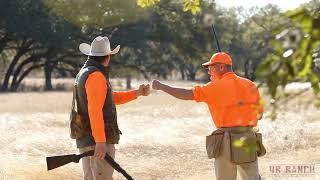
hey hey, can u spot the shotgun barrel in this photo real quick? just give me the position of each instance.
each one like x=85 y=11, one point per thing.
x=216 y=38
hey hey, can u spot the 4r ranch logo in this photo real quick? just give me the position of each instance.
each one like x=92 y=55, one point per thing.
x=292 y=169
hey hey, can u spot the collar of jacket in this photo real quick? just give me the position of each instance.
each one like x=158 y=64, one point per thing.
x=103 y=69
x=227 y=74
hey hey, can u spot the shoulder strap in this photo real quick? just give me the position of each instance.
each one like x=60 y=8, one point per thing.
x=77 y=103
x=75 y=106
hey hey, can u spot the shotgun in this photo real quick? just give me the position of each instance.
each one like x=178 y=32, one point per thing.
x=215 y=37
x=57 y=161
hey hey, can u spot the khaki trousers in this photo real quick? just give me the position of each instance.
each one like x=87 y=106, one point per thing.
x=226 y=170
x=97 y=169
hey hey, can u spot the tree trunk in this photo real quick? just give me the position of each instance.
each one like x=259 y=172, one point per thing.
x=5 y=84
x=18 y=71
x=48 y=68
x=182 y=74
x=253 y=72
x=246 y=69
x=49 y=64
x=128 y=81
x=3 y=42
x=26 y=72
x=191 y=76
x=20 y=52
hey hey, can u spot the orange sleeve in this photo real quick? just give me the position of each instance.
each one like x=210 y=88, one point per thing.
x=200 y=93
x=96 y=90
x=121 y=97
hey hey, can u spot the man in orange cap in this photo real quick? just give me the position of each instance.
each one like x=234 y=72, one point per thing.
x=234 y=104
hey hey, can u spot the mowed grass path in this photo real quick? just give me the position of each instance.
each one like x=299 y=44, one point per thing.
x=163 y=138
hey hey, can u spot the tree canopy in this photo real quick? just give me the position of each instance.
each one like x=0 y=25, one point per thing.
x=295 y=54
x=158 y=37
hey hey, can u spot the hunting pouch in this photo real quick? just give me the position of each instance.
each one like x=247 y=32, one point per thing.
x=78 y=123
x=213 y=143
x=243 y=147
x=261 y=151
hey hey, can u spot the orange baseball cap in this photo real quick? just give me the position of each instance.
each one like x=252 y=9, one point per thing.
x=220 y=57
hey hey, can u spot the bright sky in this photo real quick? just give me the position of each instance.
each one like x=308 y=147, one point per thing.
x=283 y=4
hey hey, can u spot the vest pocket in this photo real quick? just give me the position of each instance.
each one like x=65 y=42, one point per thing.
x=243 y=147
x=261 y=149
x=213 y=144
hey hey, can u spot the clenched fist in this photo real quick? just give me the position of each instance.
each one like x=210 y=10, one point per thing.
x=144 y=90
x=156 y=85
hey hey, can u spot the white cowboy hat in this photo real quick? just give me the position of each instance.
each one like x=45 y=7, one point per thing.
x=100 y=46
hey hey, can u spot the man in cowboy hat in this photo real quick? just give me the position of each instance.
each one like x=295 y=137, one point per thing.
x=234 y=106
x=96 y=104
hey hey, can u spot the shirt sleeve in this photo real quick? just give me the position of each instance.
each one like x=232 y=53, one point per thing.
x=200 y=93
x=96 y=90
x=121 y=97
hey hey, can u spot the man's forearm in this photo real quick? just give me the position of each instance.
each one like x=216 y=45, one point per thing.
x=180 y=93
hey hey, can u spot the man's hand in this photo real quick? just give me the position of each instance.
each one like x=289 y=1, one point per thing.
x=156 y=85
x=180 y=93
x=144 y=90
x=100 y=150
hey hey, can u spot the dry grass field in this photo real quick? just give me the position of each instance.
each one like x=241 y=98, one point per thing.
x=163 y=138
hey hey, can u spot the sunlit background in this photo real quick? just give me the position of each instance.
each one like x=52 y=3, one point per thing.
x=276 y=44
x=284 y=5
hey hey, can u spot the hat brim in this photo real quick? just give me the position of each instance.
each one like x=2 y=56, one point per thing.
x=85 y=49
x=206 y=64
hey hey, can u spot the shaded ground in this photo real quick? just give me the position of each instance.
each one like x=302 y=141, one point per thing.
x=163 y=138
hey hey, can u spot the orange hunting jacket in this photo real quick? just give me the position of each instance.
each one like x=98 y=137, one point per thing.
x=232 y=100
x=96 y=90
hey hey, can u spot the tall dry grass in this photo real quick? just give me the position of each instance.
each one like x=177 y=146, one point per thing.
x=163 y=138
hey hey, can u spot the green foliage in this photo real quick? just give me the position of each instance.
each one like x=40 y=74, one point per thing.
x=188 y=5
x=30 y=36
x=154 y=41
x=252 y=42
x=292 y=59
x=280 y=69
x=96 y=13
x=191 y=5
x=146 y=3
x=190 y=40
